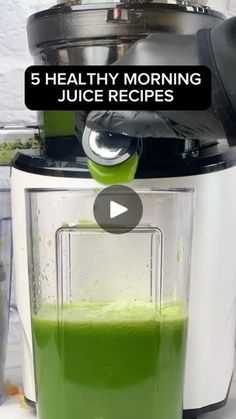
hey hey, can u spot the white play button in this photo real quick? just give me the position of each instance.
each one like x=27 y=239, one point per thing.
x=116 y=209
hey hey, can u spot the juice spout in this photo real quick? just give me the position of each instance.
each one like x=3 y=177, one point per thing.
x=110 y=175
x=112 y=158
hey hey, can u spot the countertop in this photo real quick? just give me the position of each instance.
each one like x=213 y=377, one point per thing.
x=12 y=409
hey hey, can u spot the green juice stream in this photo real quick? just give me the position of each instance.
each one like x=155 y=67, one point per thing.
x=110 y=361
x=110 y=175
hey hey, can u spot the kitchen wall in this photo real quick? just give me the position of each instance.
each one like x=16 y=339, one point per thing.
x=231 y=8
x=14 y=57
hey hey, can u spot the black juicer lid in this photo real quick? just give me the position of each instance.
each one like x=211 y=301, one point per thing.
x=115 y=22
x=74 y=26
x=159 y=159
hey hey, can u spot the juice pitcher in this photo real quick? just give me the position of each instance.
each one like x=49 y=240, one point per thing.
x=109 y=311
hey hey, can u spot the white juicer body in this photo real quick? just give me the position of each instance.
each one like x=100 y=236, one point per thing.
x=212 y=316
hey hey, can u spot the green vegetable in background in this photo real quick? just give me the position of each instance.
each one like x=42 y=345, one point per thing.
x=9 y=148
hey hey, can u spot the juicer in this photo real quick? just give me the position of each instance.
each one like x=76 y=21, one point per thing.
x=100 y=33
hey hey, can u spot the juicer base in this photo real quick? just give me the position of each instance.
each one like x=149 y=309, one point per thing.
x=187 y=414
x=30 y=403
x=194 y=413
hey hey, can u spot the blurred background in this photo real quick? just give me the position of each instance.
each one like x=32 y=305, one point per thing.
x=15 y=57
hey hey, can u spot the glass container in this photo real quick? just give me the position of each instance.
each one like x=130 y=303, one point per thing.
x=109 y=311
x=5 y=275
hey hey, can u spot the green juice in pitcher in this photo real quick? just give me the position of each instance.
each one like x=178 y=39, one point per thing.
x=110 y=361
